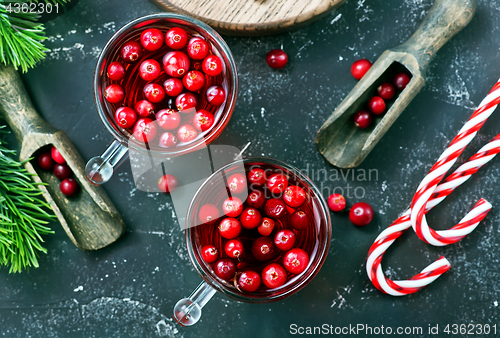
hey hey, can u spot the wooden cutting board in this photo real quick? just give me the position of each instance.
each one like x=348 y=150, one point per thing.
x=252 y=17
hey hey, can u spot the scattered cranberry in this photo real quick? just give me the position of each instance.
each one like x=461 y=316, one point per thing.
x=116 y=71
x=203 y=120
x=401 y=80
x=194 y=80
x=152 y=39
x=275 y=208
x=256 y=199
x=234 y=248
x=125 y=117
x=62 y=171
x=299 y=220
x=167 y=183
x=250 y=218
x=187 y=133
x=257 y=177
x=154 y=92
x=45 y=161
x=149 y=70
x=336 y=202
x=277 y=59
x=362 y=119
x=173 y=86
x=144 y=108
x=114 y=93
x=56 y=155
x=216 y=95
x=386 y=91
x=131 y=51
x=69 y=186
x=296 y=261
x=197 y=48
x=359 y=68
x=232 y=207
x=237 y=183
x=230 y=228
x=294 y=196
x=209 y=253
x=277 y=183
x=176 y=64
x=249 y=281
x=185 y=102
x=361 y=214
x=266 y=227
x=168 y=119
x=263 y=248
x=274 y=276
x=144 y=130
x=225 y=268
x=176 y=38
x=168 y=140
x=376 y=105
x=284 y=239
x=212 y=65
x=208 y=213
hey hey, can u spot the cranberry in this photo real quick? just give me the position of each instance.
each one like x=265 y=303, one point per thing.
x=237 y=183
x=185 y=102
x=149 y=70
x=232 y=207
x=168 y=119
x=208 y=213
x=45 y=161
x=168 y=140
x=69 y=186
x=249 y=281
x=62 y=171
x=176 y=38
x=234 y=248
x=131 y=51
x=212 y=65
x=167 y=183
x=116 y=71
x=56 y=155
x=376 y=105
x=256 y=199
x=144 y=130
x=209 y=253
x=175 y=64
x=194 y=80
x=362 y=119
x=173 y=86
x=114 y=93
x=230 y=228
x=266 y=227
x=197 y=48
x=386 y=91
x=225 y=268
x=250 y=218
x=257 y=177
x=144 y=108
x=401 y=80
x=154 y=92
x=277 y=59
x=284 y=239
x=336 y=202
x=296 y=261
x=294 y=196
x=263 y=248
x=125 y=117
x=274 y=276
x=277 y=183
x=299 y=220
x=361 y=214
x=152 y=39
x=275 y=208
x=203 y=120
x=186 y=133
x=359 y=68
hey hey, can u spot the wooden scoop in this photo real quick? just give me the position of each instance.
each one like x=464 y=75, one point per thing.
x=89 y=218
x=339 y=140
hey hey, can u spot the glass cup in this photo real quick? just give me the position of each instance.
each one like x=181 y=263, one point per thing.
x=315 y=240
x=100 y=169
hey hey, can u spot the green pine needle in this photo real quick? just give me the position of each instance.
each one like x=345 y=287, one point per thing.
x=23 y=214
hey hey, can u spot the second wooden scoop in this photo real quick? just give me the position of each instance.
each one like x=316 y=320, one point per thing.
x=339 y=140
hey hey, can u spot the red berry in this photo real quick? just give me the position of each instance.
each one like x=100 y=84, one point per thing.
x=232 y=207
x=116 y=71
x=376 y=105
x=208 y=213
x=359 y=68
x=225 y=269
x=257 y=177
x=56 y=155
x=114 y=93
x=131 y=51
x=284 y=239
x=69 y=186
x=275 y=208
x=401 y=80
x=176 y=38
x=194 y=80
x=230 y=228
x=167 y=183
x=173 y=86
x=386 y=91
x=197 y=48
x=336 y=202
x=203 y=120
x=277 y=59
x=62 y=171
x=168 y=119
x=125 y=117
x=144 y=108
x=144 y=130
x=266 y=227
x=149 y=70
x=274 y=276
x=361 y=214
x=152 y=39
x=237 y=183
x=256 y=199
x=299 y=220
x=263 y=248
x=294 y=196
x=154 y=92
x=209 y=253
x=234 y=248
x=296 y=261
x=249 y=281
x=216 y=95
x=176 y=64
x=250 y=218
x=277 y=183
x=185 y=102
x=212 y=65
x=362 y=119
x=168 y=140
x=186 y=133
x=45 y=161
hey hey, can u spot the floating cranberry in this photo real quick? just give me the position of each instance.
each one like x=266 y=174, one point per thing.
x=176 y=64
x=284 y=239
x=144 y=130
x=263 y=248
x=362 y=119
x=296 y=261
x=234 y=248
x=225 y=269
x=376 y=105
x=144 y=108
x=257 y=177
x=212 y=65
x=125 y=117
x=361 y=214
x=232 y=207
x=216 y=95
x=275 y=208
x=266 y=227
x=277 y=59
x=168 y=119
x=176 y=38
x=256 y=199
x=209 y=253
x=203 y=120
x=62 y=171
x=45 y=161
x=294 y=196
x=185 y=102
x=187 y=133
x=56 y=155
x=386 y=91
x=230 y=228
x=116 y=71
x=197 y=48
x=152 y=39
x=237 y=183
x=149 y=70
x=131 y=51
x=167 y=183
x=249 y=281
x=208 y=213
x=359 y=68
x=168 y=140
x=173 y=86
x=274 y=276
x=299 y=220
x=154 y=92
x=277 y=183
x=194 y=80
x=69 y=186
x=250 y=218
x=336 y=202
x=401 y=80
x=114 y=93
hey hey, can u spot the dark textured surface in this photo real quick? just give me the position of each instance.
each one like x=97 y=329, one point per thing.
x=129 y=289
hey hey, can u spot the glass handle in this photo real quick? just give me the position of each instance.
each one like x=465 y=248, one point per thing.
x=187 y=311
x=99 y=169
